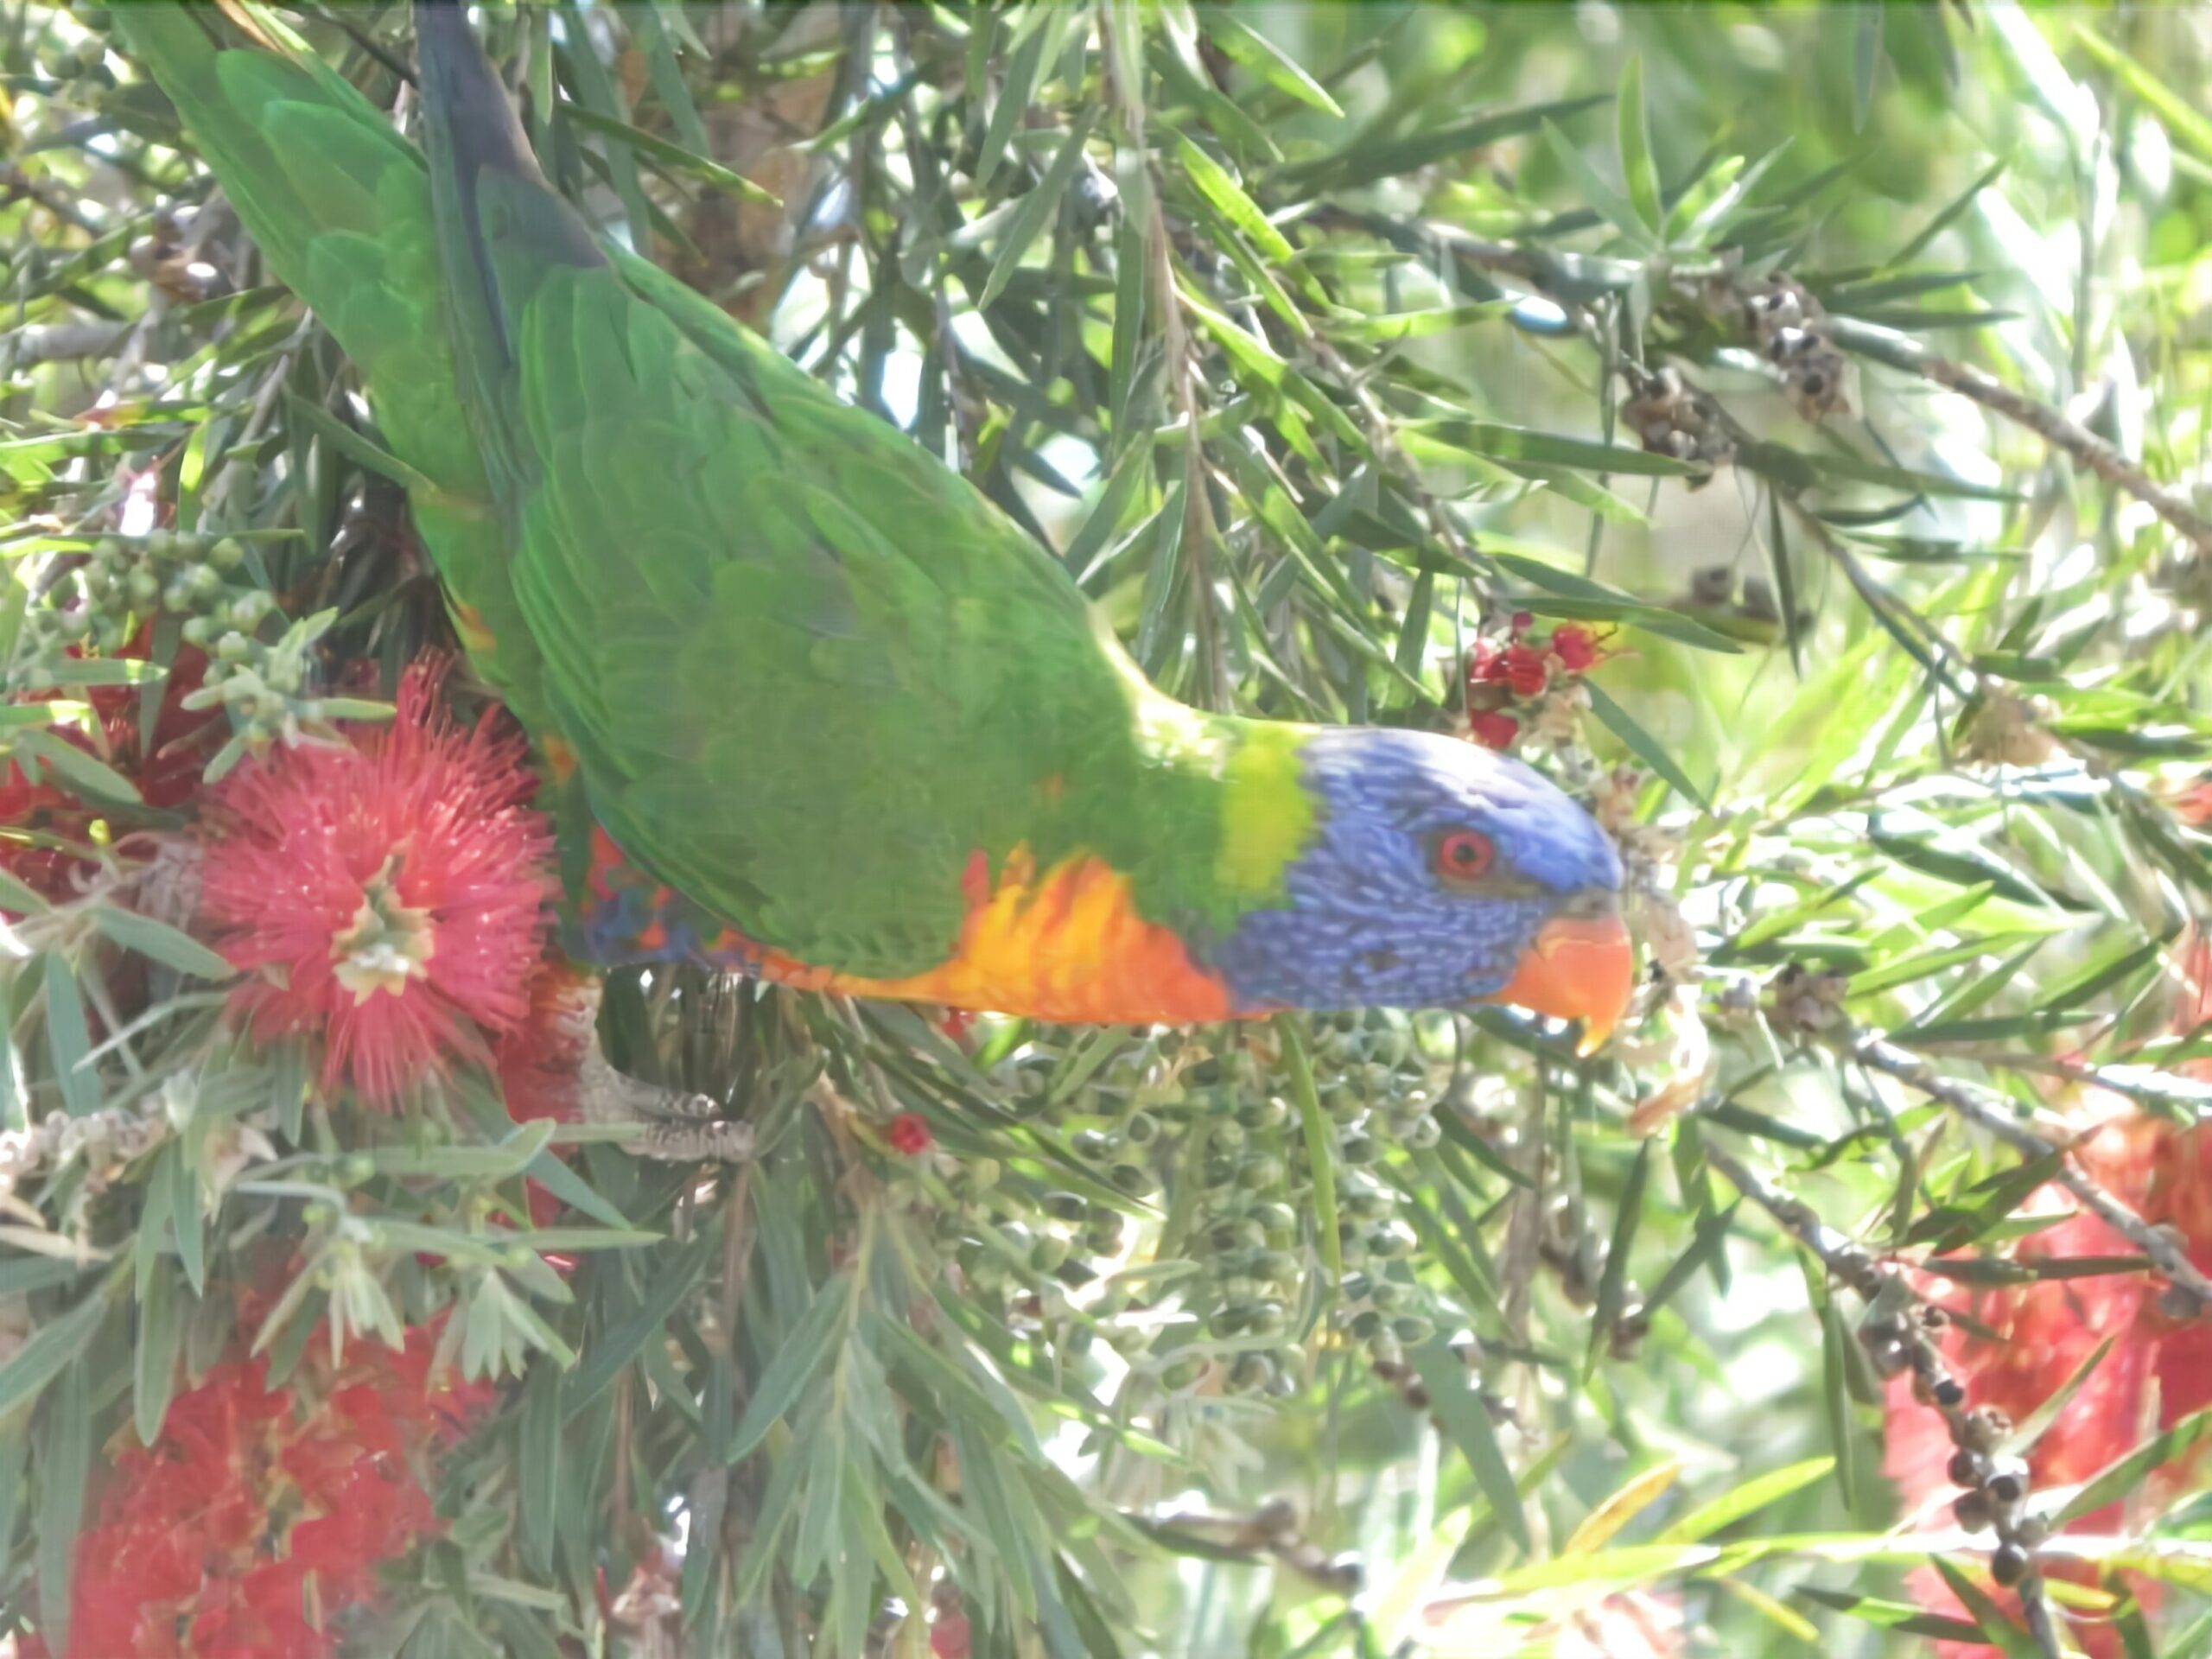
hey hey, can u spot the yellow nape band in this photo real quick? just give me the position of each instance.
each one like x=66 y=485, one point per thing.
x=1067 y=947
x=1266 y=813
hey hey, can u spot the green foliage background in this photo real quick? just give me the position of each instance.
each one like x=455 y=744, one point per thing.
x=1307 y=335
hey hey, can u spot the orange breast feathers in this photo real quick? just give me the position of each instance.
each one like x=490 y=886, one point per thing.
x=1069 y=947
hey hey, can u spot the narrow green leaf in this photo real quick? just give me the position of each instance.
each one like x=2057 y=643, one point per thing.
x=1712 y=1234
x=2123 y=1476
x=1835 y=1393
x=1748 y=1498
x=1612 y=1280
x=65 y=1458
x=1268 y=61
x=1466 y=1421
x=1036 y=206
x=619 y=1343
x=1633 y=131
x=2181 y=116
x=1866 y=58
x=92 y=777
x=1218 y=186
x=69 y=1038
x=160 y=1339
x=1995 y=1624
x=50 y=1348
x=1320 y=1145
x=797 y=1357
x=1596 y=191
x=1642 y=745
x=168 y=945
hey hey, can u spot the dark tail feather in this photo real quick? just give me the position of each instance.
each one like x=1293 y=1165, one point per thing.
x=475 y=135
x=501 y=229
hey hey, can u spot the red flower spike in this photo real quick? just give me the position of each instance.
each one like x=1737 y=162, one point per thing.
x=390 y=892
x=1574 y=648
x=166 y=770
x=1527 y=673
x=253 y=1507
x=1522 y=621
x=910 y=1135
x=1493 y=730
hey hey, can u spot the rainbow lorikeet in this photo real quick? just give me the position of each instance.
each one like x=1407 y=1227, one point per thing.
x=831 y=716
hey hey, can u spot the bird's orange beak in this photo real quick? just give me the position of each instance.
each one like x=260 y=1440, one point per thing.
x=1578 y=968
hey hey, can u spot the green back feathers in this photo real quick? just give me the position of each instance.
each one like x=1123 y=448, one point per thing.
x=808 y=672
x=339 y=204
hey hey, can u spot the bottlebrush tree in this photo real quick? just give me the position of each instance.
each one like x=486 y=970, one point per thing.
x=1782 y=428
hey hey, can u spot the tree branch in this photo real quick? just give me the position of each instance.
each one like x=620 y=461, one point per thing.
x=2169 y=1255
x=1899 y=1336
x=2085 y=448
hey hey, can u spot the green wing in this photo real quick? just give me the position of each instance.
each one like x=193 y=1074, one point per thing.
x=341 y=205
x=808 y=669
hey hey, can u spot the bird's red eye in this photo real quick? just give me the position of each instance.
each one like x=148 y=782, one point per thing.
x=1463 y=854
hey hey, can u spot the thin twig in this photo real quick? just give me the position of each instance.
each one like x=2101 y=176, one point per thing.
x=2085 y=448
x=1900 y=1336
x=2169 y=1255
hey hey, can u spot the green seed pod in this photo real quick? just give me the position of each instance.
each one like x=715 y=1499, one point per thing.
x=1243 y=1234
x=1217 y=1173
x=1259 y=1173
x=197 y=629
x=1141 y=1130
x=1390 y=1242
x=1364 y=1201
x=234 y=647
x=249 y=607
x=1184 y=1373
x=143 y=586
x=228 y=554
x=1277 y=1266
x=1065 y=1206
x=1357 y=1147
x=1094 y=1146
x=1267 y=1112
x=159 y=544
x=1134 y=1179
x=1275 y=1218
x=1357 y=1288
x=1364 y=1324
x=1227 y=1321
x=1412 y=1329
x=1390 y=1296
x=1046 y=1254
x=318 y=1214
x=1383 y=1350
x=1422 y=1133
x=1267 y=1318
x=1227 y=1135
x=1105 y=1238
x=1241 y=1288
x=1252 y=1373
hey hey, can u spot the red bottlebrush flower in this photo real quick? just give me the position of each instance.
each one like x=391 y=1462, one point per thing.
x=540 y=1062
x=956 y=1023
x=390 y=892
x=1493 y=730
x=2158 y=1371
x=1527 y=673
x=910 y=1135
x=1486 y=667
x=1574 y=648
x=1522 y=621
x=165 y=770
x=253 y=1506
